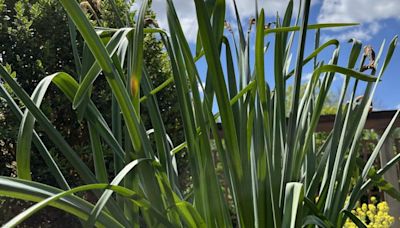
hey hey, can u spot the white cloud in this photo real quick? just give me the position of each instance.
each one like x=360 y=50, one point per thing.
x=246 y=8
x=370 y=13
x=339 y=77
x=187 y=13
x=358 y=10
x=201 y=86
x=363 y=32
x=306 y=77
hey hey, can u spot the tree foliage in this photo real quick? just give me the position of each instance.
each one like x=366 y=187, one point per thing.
x=34 y=42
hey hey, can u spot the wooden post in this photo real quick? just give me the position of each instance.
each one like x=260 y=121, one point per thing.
x=391 y=176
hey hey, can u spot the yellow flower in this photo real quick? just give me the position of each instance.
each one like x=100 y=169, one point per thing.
x=371 y=207
x=383 y=206
x=378 y=216
x=364 y=207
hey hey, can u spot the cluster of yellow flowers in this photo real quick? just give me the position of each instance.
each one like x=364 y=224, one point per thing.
x=373 y=215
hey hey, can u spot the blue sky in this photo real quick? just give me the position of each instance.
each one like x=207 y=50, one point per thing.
x=379 y=20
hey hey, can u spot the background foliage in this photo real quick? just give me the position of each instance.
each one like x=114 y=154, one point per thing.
x=34 y=42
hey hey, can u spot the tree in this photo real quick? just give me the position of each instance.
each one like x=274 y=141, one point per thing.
x=330 y=104
x=33 y=35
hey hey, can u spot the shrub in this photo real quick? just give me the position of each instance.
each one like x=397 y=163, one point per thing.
x=35 y=40
x=373 y=214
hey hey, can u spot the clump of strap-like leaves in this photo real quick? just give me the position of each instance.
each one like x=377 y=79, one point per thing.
x=271 y=169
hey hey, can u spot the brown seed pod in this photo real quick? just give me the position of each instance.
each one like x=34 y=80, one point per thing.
x=370 y=53
x=227 y=26
x=96 y=5
x=358 y=101
x=85 y=6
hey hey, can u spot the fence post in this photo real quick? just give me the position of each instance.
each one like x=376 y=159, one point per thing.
x=391 y=176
